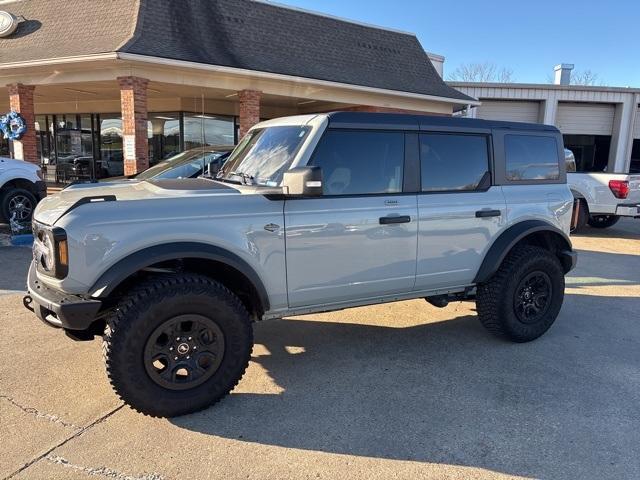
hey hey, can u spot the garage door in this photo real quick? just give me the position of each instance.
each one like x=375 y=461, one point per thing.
x=585 y=118
x=509 y=111
x=636 y=128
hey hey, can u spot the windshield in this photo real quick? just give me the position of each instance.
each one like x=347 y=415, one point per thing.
x=182 y=165
x=264 y=155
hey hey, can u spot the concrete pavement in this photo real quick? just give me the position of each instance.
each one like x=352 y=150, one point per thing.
x=391 y=391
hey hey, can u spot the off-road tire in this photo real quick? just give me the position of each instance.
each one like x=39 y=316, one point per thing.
x=147 y=307
x=495 y=301
x=8 y=195
x=603 y=221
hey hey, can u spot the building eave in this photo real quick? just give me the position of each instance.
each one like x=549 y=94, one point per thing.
x=543 y=86
x=133 y=57
x=60 y=61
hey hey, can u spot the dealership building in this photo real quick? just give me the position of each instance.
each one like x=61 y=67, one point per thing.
x=601 y=125
x=132 y=82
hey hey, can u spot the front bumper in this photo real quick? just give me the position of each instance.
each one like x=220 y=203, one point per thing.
x=59 y=309
x=628 y=210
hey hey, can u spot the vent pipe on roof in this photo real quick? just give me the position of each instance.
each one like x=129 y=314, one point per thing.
x=563 y=74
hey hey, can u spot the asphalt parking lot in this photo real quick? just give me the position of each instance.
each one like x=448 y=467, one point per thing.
x=392 y=391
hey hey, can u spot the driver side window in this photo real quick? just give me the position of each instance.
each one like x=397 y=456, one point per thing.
x=356 y=162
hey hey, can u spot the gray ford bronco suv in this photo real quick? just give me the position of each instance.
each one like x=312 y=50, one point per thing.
x=309 y=214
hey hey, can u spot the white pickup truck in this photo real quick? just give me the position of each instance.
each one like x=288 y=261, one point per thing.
x=21 y=188
x=601 y=198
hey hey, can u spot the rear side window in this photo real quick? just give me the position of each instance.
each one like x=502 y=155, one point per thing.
x=452 y=162
x=530 y=157
x=360 y=162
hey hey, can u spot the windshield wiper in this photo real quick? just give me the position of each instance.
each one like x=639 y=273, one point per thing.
x=246 y=178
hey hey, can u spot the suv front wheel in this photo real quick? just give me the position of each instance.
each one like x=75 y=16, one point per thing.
x=522 y=300
x=18 y=204
x=177 y=344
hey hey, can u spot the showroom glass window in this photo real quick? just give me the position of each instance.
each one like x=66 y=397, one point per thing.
x=452 y=162
x=207 y=130
x=44 y=142
x=73 y=147
x=531 y=157
x=112 y=159
x=68 y=138
x=44 y=130
x=164 y=135
x=358 y=162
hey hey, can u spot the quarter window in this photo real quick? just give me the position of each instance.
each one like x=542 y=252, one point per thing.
x=530 y=157
x=360 y=162
x=452 y=162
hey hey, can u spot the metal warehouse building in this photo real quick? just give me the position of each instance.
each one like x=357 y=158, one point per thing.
x=601 y=125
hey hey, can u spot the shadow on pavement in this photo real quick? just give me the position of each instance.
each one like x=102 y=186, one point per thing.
x=563 y=406
x=605 y=269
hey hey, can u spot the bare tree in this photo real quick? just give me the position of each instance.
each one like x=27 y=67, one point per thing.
x=583 y=77
x=481 y=72
x=586 y=77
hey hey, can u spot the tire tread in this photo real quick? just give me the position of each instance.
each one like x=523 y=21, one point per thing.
x=490 y=295
x=133 y=303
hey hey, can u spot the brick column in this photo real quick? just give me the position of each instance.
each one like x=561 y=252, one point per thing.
x=21 y=100
x=249 y=109
x=133 y=106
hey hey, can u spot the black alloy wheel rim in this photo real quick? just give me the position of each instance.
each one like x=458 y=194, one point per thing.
x=533 y=297
x=184 y=352
x=21 y=207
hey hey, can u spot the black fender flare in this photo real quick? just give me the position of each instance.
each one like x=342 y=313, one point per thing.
x=511 y=236
x=146 y=257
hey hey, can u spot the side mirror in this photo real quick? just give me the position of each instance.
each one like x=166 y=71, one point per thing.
x=303 y=181
x=569 y=160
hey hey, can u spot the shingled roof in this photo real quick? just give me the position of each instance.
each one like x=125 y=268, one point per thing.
x=245 y=34
x=69 y=28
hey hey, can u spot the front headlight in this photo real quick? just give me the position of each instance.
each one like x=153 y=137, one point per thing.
x=39 y=174
x=50 y=250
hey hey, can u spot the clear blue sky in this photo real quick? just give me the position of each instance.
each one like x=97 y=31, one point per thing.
x=528 y=37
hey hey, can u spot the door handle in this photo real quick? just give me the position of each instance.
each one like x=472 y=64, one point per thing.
x=395 y=219
x=488 y=213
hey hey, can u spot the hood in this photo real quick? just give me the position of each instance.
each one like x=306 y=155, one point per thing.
x=7 y=163
x=53 y=207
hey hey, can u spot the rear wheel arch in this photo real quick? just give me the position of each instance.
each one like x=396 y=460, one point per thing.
x=214 y=262
x=529 y=232
x=578 y=195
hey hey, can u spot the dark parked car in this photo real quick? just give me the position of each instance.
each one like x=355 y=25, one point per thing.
x=188 y=164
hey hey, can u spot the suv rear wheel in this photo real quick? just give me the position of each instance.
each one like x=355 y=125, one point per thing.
x=177 y=344
x=522 y=300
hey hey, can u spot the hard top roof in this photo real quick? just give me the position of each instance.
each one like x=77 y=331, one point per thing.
x=422 y=122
